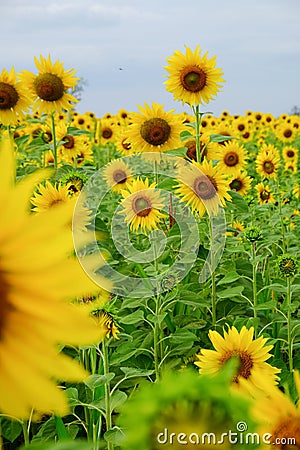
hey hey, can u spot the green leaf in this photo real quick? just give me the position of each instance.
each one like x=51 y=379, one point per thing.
x=10 y=429
x=184 y=135
x=117 y=399
x=115 y=436
x=156 y=319
x=136 y=316
x=239 y=202
x=62 y=432
x=230 y=277
x=183 y=336
x=66 y=445
x=231 y=292
x=94 y=381
x=220 y=138
x=176 y=152
x=131 y=372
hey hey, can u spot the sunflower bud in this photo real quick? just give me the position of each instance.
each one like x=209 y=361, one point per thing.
x=253 y=233
x=287 y=265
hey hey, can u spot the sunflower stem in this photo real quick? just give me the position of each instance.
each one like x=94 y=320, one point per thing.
x=196 y=110
x=289 y=324
x=54 y=141
x=254 y=285
x=25 y=430
x=213 y=282
x=281 y=219
x=108 y=411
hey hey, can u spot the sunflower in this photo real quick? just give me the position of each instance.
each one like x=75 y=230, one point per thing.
x=241 y=183
x=279 y=417
x=69 y=144
x=38 y=278
x=122 y=143
x=15 y=99
x=290 y=154
x=142 y=204
x=106 y=131
x=203 y=187
x=267 y=161
x=253 y=370
x=238 y=227
x=49 y=87
x=208 y=149
x=49 y=196
x=264 y=194
x=154 y=130
x=232 y=157
x=84 y=155
x=117 y=175
x=193 y=78
x=285 y=132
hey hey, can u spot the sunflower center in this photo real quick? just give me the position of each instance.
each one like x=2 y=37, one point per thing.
x=290 y=154
x=119 y=176
x=245 y=366
x=125 y=144
x=268 y=167
x=205 y=187
x=8 y=96
x=155 y=131
x=241 y=127
x=236 y=185
x=47 y=136
x=193 y=78
x=49 y=87
x=69 y=141
x=285 y=431
x=287 y=133
x=107 y=133
x=192 y=151
x=141 y=206
x=265 y=195
x=231 y=159
x=5 y=306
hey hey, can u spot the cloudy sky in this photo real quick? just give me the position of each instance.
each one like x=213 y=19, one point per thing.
x=257 y=44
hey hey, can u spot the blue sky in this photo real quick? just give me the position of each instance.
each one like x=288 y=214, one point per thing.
x=257 y=45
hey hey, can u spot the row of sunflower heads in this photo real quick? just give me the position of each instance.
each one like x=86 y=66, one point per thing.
x=234 y=401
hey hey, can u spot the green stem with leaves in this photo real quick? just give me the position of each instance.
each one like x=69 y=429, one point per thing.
x=196 y=110
x=289 y=324
x=108 y=410
x=54 y=140
x=254 y=282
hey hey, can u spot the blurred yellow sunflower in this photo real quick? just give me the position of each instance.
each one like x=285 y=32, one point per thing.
x=241 y=183
x=15 y=99
x=50 y=86
x=38 y=278
x=279 y=417
x=142 y=205
x=193 y=78
x=267 y=161
x=253 y=371
x=154 y=130
x=69 y=145
x=202 y=186
x=285 y=132
x=117 y=175
x=290 y=154
x=232 y=157
x=49 y=196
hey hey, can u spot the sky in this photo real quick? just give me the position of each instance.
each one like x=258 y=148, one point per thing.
x=120 y=48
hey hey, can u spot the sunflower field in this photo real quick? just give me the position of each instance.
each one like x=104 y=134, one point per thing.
x=149 y=268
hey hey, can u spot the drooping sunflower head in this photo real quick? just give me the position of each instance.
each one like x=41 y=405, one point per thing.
x=154 y=130
x=50 y=86
x=117 y=175
x=15 y=98
x=142 y=205
x=193 y=78
x=252 y=370
x=203 y=186
x=182 y=410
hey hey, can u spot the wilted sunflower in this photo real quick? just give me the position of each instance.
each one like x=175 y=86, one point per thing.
x=267 y=161
x=193 y=78
x=279 y=417
x=50 y=86
x=117 y=175
x=232 y=157
x=142 y=204
x=241 y=183
x=253 y=371
x=203 y=187
x=15 y=99
x=154 y=130
x=38 y=278
x=264 y=194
